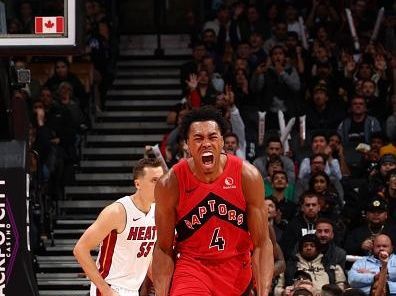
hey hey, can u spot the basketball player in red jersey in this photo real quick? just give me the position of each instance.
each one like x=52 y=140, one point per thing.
x=126 y=232
x=216 y=204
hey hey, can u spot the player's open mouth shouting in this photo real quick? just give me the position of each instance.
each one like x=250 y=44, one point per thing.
x=207 y=159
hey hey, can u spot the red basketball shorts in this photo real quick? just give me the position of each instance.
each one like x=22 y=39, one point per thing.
x=193 y=277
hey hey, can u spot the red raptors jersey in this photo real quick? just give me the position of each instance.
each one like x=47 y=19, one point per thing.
x=211 y=217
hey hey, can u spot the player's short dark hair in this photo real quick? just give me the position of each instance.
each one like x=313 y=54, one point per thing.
x=138 y=170
x=206 y=113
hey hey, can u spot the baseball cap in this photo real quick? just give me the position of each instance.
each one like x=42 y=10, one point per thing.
x=320 y=87
x=377 y=205
x=387 y=158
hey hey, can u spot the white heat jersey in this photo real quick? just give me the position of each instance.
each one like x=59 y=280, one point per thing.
x=124 y=258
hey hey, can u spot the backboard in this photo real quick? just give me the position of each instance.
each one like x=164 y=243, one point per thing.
x=41 y=27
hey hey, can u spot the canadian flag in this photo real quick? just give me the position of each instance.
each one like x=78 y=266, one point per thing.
x=49 y=24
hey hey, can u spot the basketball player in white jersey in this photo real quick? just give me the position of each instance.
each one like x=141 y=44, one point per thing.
x=126 y=233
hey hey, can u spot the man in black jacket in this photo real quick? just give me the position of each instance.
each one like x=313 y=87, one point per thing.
x=302 y=224
x=332 y=254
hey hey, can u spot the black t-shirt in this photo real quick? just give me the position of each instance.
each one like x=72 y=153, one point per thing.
x=356 y=132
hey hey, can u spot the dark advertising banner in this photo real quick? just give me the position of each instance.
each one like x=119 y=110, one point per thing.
x=16 y=272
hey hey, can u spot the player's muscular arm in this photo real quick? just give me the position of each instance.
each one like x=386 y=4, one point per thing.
x=262 y=258
x=111 y=218
x=166 y=198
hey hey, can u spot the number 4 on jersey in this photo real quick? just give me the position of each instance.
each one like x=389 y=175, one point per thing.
x=217 y=240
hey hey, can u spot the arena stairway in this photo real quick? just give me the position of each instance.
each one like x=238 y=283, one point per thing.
x=135 y=111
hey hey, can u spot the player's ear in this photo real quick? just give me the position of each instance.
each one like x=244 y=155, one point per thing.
x=136 y=183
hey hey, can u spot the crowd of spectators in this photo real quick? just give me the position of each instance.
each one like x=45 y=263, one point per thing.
x=330 y=181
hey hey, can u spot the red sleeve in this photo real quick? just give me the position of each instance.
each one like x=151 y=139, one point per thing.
x=195 y=99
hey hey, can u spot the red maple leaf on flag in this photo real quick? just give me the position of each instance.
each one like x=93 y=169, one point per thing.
x=49 y=24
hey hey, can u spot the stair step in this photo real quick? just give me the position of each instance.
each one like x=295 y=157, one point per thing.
x=104 y=177
x=150 y=72
x=107 y=164
x=150 y=41
x=87 y=203
x=101 y=190
x=132 y=116
x=147 y=82
x=64 y=250
x=62 y=275
x=156 y=93
x=119 y=153
x=54 y=259
x=64 y=293
x=123 y=140
x=79 y=204
x=131 y=126
x=144 y=114
x=142 y=103
x=62 y=281
x=64 y=284
x=73 y=222
x=111 y=151
x=76 y=217
x=68 y=231
x=63 y=241
x=149 y=52
x=151 y=63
